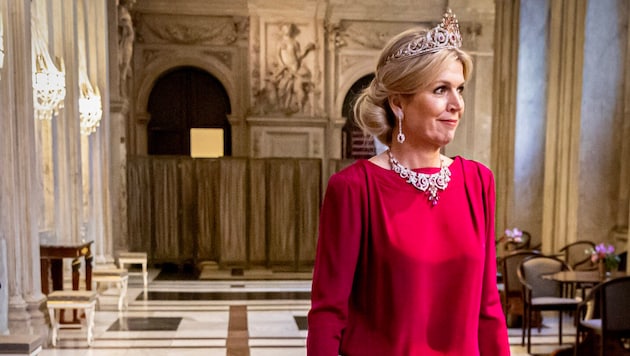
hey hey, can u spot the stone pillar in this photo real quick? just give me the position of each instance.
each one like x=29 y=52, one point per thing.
x=4 y=281
x=119 y=111
x=100 y=227
x=623 y=218
x=116 y=143
x=504 y=107
x=20 y=196
x=564 y=91
x=4 y=288
x=623 y=215
x=68 y=182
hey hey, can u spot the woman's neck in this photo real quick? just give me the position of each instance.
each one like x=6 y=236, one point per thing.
x=416 y=157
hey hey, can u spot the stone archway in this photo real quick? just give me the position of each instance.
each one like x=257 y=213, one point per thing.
x=354 y=144
x=184 y=98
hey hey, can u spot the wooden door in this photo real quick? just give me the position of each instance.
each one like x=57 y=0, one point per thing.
x=182 y=99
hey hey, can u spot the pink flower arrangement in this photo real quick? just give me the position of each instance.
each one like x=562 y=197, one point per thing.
x=606 y=253
x=514 y=235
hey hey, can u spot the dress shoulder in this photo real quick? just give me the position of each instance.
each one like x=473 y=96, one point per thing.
x=470 y=165
x=354 y=173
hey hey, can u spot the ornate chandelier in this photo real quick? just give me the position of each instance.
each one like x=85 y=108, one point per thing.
x=49 y=81
x=90 y=107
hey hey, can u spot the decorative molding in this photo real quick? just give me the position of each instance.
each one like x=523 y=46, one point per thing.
x=287 y=121
x=192 y=30
x=471 y=31
x=349 y=61
x=276 y=141
x=224 y=57
x=368 y=34
x=150 y=55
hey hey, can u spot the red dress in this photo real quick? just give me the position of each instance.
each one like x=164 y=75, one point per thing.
x=395 y=275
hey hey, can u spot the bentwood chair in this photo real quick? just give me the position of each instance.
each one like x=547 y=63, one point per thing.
x=512 y=289
x=577 y=255
x=542 y=294
x=526 y=239
x=611 y=322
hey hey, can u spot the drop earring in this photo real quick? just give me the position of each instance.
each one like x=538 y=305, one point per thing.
x=401 y=136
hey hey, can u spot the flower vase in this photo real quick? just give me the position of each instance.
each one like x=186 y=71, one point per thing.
x=601 y=268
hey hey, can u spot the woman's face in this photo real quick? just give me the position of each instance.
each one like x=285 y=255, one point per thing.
x=432 y=114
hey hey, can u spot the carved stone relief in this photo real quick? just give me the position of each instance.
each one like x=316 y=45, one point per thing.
x=288 y=80
x=126 y=38
x=193 y=30
x=367 y=34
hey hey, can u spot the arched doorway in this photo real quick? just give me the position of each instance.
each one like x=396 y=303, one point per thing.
x=182 y=99
x=355 y=145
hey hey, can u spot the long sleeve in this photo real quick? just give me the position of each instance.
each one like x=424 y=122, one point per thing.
x=493 y=338
x=340 y=231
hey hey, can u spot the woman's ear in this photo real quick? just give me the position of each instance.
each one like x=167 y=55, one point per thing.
x=395 y=104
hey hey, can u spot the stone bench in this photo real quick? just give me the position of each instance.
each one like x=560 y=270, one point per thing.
x=130 y=258
x=19 y=344
x=113 y=275
x=72 y=299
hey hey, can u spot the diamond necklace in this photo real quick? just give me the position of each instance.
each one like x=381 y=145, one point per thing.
x=428 y=183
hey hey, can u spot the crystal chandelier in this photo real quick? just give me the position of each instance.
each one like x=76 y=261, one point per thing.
x=49 y=80
x=90 y=107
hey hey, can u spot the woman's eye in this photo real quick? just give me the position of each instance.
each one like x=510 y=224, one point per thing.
x=440 y=90
x=460 y=89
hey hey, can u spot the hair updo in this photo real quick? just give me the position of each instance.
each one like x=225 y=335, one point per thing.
x=400 y=76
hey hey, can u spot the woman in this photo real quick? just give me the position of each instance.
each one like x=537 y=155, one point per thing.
x=405 y=259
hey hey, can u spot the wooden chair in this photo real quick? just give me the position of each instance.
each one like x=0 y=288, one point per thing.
x=525 y=243
x=612 y=317
x=542 y=294
x=576 y=255
x=513 y=291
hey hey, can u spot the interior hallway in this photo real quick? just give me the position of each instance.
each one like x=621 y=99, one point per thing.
x=229 y=317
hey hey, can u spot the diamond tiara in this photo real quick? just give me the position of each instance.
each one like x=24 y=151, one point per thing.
x=446 y=35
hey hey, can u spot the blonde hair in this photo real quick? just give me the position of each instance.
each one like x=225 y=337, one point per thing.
x=405 y=75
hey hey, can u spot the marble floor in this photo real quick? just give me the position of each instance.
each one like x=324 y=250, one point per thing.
x=227 y=317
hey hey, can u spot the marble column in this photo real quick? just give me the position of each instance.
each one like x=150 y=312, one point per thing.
x=19 y=190
x=101 y=154
x=504 y=107
x=68 y=183
x=4 y=288
x=562 y=142
x=623 y=215
x=119 y=111
x=4 y=113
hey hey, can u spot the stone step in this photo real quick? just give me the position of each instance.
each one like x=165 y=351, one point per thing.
x=20 y=344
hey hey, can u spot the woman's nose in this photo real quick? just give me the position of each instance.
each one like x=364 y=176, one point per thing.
x=455 y=102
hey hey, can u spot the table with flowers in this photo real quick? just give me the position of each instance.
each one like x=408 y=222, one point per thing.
x=603 y=255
